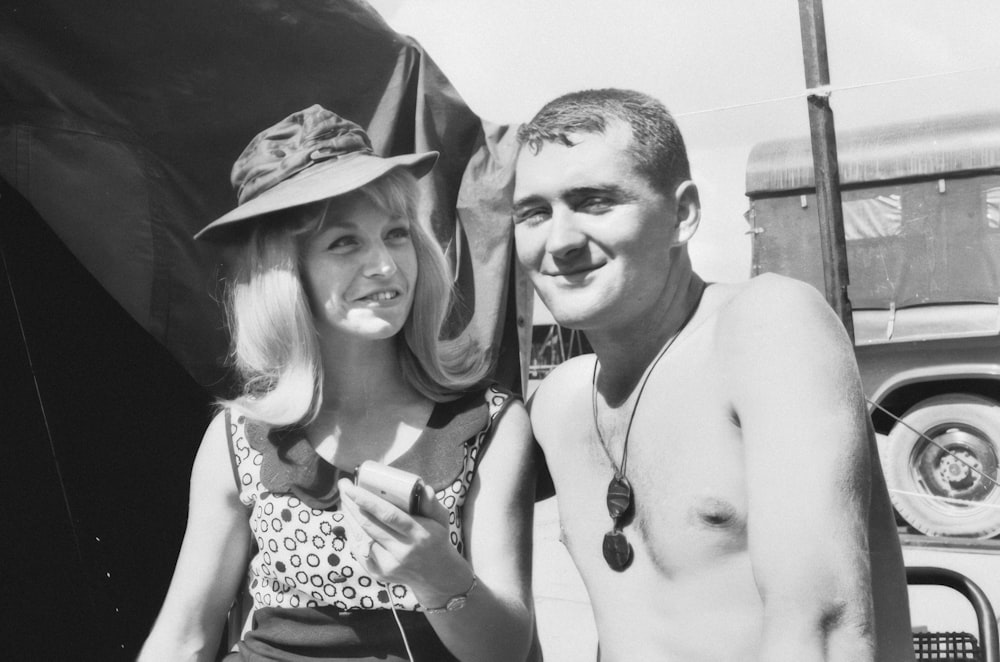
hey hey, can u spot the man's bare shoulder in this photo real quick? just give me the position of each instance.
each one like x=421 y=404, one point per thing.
x=568 y=380
x=566 y=385
x=769 y=292
x=778 y=339
x=774 y=307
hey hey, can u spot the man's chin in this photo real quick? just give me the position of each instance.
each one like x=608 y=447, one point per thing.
x=572 y=319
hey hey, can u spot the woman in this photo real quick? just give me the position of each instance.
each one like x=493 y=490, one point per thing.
x=335 y=314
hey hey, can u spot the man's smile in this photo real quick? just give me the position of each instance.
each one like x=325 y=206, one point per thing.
x=575 y=271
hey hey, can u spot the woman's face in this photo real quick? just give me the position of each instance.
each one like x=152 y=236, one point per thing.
x=360 y=271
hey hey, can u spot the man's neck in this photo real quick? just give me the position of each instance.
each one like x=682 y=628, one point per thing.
x=625 y=351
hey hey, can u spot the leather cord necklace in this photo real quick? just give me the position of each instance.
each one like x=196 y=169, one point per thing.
x=617 y=550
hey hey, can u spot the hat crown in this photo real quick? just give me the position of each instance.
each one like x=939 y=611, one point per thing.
x=297 y=142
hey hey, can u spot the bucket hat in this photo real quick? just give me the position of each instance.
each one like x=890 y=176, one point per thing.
x=311 y=155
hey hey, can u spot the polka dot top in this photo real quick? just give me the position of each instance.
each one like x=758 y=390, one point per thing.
x=301 y=536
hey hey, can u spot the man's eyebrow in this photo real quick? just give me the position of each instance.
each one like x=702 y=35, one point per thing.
x=599 y=189
x=527 y=201
x=575 y=193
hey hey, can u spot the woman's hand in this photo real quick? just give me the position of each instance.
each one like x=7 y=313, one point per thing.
x=400 y=548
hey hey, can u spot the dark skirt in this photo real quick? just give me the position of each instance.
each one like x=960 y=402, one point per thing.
x=327 y=635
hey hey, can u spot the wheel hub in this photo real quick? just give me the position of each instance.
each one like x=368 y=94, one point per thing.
x=958 y=471
x=953 y=466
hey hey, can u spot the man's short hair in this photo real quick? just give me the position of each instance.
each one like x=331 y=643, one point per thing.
x=657 y=147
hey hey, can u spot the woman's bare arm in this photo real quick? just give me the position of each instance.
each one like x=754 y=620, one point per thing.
x=212 y=560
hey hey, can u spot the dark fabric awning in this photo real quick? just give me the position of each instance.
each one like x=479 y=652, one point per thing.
x=952 y=144
x=119 y=122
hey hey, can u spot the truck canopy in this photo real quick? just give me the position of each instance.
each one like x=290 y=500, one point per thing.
x=948 y=145
x=921 y=209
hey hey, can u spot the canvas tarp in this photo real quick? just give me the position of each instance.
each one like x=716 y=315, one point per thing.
x=119 y=122
x=908 y=244
x=921 y=208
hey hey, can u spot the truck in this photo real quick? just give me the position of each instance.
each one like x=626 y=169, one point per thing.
x=921 y=220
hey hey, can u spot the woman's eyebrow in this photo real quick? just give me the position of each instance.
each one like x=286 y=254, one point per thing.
x=340 y=224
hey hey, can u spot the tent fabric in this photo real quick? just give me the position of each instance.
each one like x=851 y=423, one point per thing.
x=119 y=123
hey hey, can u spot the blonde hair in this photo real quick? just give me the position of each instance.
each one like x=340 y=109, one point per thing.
x=274 y=346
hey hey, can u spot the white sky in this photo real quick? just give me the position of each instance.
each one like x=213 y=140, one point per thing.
x=730 y=70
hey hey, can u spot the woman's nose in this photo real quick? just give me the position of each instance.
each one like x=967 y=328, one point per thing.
x=380 y=262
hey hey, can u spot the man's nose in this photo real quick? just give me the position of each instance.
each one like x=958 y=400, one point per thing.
x=379 y=261
x=565 y=235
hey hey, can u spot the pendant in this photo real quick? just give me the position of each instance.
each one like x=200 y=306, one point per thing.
x=619 y=497
x=617 y=550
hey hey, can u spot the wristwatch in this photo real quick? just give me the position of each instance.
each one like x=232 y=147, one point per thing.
x=455 y=602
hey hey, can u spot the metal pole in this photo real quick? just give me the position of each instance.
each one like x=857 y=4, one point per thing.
x=825 y=166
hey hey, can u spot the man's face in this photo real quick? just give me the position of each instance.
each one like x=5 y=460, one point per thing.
x=592 y=233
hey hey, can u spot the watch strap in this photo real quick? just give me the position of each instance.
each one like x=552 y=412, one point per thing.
x=455 y=602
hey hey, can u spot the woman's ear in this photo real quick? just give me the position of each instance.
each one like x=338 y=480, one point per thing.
x=688 y=211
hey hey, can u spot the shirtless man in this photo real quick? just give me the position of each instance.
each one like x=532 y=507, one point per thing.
x=723 y=499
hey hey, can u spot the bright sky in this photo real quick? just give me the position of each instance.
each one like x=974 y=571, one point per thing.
x=730 y=70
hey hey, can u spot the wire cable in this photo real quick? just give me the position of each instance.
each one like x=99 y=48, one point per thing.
x=828 y=90
x=899 y=420
x=399 y=623
x=42 y=410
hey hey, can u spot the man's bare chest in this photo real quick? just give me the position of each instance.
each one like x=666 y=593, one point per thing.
x=686 y=472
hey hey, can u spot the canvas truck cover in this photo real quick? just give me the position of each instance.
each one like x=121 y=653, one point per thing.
x=921 y=206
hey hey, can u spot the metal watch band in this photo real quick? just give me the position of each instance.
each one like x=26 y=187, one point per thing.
x=455 y=602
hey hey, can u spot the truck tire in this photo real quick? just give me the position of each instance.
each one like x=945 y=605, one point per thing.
x=927 y=485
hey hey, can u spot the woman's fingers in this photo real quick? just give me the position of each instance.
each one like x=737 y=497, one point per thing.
x=359 y=541
x=394 y=546
x=430 y=507
x=378 y=519
x=388 y=525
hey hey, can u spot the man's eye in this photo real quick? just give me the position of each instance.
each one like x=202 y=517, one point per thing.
x=595 y=203
x=530 y=216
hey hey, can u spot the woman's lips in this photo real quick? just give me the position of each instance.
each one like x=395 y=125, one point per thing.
x=380 y=296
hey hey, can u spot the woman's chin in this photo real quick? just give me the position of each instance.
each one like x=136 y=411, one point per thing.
x=374 y=329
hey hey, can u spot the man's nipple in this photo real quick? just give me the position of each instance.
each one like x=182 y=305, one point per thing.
x=717 y=514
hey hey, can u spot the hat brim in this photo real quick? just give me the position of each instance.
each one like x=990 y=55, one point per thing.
x=326 y=179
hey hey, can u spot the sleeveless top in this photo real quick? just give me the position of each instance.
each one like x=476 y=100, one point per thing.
x=302 y=559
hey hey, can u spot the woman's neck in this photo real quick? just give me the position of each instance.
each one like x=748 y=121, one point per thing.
x=360 y=375
x=369 y=410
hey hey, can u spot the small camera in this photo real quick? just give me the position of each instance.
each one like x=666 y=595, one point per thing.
x=400 y=488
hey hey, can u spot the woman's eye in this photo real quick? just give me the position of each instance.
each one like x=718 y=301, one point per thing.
x=398 y=234
x=342 y=243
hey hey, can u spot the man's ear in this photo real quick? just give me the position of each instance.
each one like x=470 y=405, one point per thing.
x=688 y=211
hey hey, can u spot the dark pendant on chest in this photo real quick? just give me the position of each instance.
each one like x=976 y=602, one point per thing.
x=617 y=550
x=619 y=497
